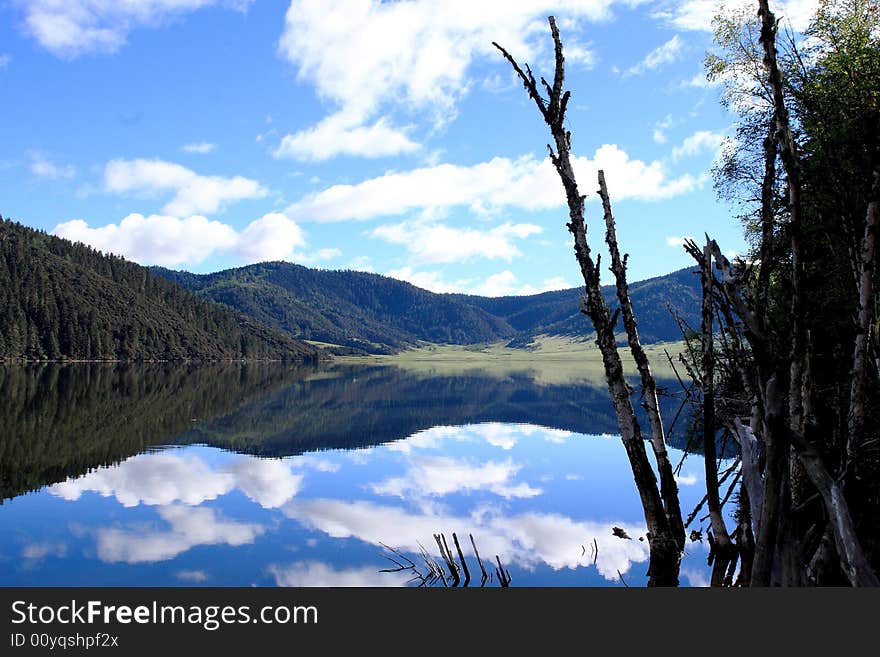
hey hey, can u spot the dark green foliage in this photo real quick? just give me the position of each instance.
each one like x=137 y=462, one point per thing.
x=377 y=314
x=558 y=313
x=67 y=301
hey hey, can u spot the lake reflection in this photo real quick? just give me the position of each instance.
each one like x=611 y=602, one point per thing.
x=270 y=475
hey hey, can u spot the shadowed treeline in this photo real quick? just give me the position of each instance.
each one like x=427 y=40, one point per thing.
x=63 y=420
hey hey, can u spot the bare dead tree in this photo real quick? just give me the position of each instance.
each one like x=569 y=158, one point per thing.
x=856 y=419
x=664 y=535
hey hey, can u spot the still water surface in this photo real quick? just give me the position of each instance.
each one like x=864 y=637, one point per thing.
x=263 y=474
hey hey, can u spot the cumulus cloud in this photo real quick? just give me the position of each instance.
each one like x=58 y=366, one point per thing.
x=172 y=241
x=188 y=528
x=525 y=183
x=69 y=28
x=525 y=539
x=337 y=135
x=698 y=14
x=504 y=283
x=199 y=147
x=662 y=55
x=369 y=58
x=701 y=141
x=441 y=475
x=196 y=576
x=440 y=243
x=194 y=194
x=317 y=573
x=165 y=478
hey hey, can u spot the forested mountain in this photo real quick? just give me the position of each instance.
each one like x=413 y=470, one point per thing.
x=558 y=313
x=364 y=311
x=378 y=314
x=62 y=300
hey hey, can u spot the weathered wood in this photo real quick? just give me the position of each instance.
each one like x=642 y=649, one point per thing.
x=664 y=547
x=751 y=468
x=852 y=558
x=722 y=538
x=791 y=163
x=668 y=485
x=859 y=375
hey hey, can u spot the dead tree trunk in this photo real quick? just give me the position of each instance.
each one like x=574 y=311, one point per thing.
x=788 y=155
x=668 y=485
x=665 y=553
x=723 y=545
x=856 y=420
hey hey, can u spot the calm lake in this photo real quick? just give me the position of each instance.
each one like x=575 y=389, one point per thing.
x=274 y=475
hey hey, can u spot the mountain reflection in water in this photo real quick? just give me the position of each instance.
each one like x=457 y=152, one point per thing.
x=266 y=474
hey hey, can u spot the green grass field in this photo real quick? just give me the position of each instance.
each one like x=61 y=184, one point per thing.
x=550 y=360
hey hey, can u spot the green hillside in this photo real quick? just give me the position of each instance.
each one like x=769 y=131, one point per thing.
x=62 y=300
x=375 y=314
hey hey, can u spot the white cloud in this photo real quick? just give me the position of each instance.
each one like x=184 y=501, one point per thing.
x=197 y=576
x=427 y=280
x=39 y=551
x=430 y=242
x=701 y=141
x=442 y=475
x=505 y=283
x=171 y=241
x=526 y=183
x=193 y=193
x=4 y=60
x=698 y=14
x=336 y=135
x=675 y=240
x=199 y=147
x=664 y=54
x=164 y=478
x=316 y=573
x=526 y=539
x=189 y=527
x=660 y=129
x=370 y=58
x=69 y=28
x=43 y=167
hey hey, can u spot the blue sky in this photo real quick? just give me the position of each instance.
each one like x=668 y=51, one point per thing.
x=387 y=137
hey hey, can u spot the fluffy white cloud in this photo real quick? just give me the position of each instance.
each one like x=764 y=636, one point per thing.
x=199 y=147
x=438 y=243
x=189 y=527
x=370 y=58
x=164 y=478
x=316 y=573
x=69 y=28
x=337 y=135
x=698 y=14
x=700 y=142
x=526 y=183
x=442 y=475
x=526 y=539
x=664 y=54
x=505 y=283
x=193 y=193
x=171 y=241
x=43 y=167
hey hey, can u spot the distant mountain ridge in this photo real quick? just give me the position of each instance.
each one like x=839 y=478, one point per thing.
x=366 y=312
x=66 y=301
